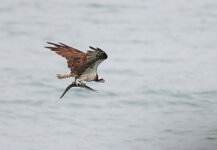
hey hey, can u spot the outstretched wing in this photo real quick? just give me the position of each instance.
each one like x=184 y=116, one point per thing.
x=94 y=58
x=75 y=58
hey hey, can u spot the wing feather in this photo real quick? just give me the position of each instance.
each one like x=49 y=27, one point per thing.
x=75 y=58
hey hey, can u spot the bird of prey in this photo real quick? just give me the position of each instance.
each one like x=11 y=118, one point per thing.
x=83 y=65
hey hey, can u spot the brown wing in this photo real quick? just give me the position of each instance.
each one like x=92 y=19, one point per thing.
x=74 y=57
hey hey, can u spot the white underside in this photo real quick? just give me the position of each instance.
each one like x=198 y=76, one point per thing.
x=90 y=73
x=87 y=77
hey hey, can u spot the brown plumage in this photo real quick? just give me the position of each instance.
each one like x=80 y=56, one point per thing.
x=74 y=57
x=83 y=66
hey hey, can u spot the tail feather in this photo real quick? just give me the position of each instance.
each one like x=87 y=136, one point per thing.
x=61 y=76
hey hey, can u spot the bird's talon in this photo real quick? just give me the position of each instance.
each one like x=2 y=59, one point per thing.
x=74 y=83
x=81 y=84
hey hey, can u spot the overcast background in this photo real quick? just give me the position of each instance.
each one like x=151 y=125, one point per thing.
x=161 y=75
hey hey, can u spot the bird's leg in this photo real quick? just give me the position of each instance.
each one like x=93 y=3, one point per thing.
x=81 y=83
x=74 y=82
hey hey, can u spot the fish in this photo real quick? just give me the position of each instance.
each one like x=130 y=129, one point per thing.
x=76 y=85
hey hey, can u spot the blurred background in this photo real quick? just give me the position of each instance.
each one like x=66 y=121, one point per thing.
x=161 y=76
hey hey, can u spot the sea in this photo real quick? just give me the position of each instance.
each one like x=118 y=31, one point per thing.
x=160 y=90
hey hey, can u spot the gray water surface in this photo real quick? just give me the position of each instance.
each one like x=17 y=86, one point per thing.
x=161 y=75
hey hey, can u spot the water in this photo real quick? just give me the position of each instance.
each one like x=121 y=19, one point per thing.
x=161 y=87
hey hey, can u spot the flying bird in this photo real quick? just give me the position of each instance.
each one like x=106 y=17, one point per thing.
x=83 y=65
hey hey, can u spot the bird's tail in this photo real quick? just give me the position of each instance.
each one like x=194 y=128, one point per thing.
x=61 y=76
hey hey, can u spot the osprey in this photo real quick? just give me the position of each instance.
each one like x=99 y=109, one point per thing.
x=83 y=66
